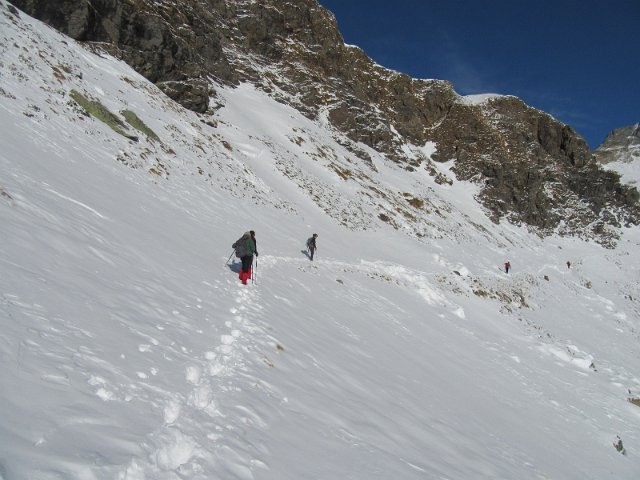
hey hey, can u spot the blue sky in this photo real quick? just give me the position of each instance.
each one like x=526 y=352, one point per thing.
x=578 y=60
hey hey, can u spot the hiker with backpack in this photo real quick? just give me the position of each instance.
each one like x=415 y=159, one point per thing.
x=311 y=245
x=245 y=247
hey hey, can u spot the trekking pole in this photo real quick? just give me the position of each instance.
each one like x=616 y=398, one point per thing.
x=255 y=272
x=230 y=257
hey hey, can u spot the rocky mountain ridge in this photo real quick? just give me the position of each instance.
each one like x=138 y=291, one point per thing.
x=622 y=145
x=534 y=169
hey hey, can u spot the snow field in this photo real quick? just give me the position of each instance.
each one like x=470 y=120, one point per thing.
x=131 y=351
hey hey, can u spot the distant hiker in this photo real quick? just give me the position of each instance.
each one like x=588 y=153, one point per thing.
x=507 y=267
x=245 y=248
x=311 y=245
x=568 y=264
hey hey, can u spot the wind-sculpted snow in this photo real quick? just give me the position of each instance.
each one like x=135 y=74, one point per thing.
x=130 y=350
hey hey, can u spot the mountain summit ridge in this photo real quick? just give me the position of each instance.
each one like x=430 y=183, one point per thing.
x=621 y=145
x=534 y=170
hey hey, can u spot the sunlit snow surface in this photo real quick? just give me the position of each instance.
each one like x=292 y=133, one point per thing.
x=131 y=351
x=478 y=99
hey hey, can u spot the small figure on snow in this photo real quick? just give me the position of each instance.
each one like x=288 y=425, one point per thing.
x=507 y=267
x=245 y=248
x=311 y=245
x=568 y=264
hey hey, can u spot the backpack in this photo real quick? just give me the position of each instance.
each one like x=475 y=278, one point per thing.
x=240 y=246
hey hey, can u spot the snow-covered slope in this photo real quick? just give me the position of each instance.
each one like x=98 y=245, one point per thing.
x=131 y=351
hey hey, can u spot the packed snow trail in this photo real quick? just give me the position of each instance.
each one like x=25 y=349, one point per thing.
x=210 y=375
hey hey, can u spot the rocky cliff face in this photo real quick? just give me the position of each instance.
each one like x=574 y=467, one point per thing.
x=534 y=169
x=621 y=145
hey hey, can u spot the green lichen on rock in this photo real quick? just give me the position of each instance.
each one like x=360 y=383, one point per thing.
x=102 y=113
x=135 y=121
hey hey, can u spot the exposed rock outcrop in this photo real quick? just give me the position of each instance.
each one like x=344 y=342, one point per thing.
x=534 y=169
x=621 y=145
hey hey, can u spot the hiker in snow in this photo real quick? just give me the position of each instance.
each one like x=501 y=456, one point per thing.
x=245 y=248
x=507 y=267
x=568 y=264
x=311 y=245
